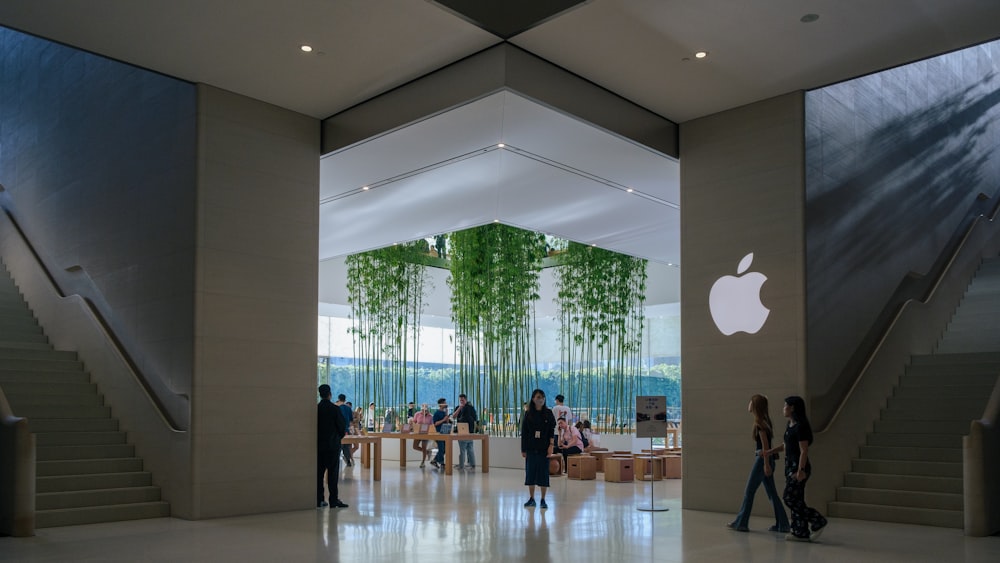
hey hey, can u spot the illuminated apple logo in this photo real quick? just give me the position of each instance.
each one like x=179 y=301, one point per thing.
x=735 y=300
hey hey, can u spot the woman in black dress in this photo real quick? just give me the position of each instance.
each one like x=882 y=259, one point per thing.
x=537 y=430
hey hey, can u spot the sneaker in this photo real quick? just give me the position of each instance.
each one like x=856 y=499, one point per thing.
x=817 y=530
x=542 y=505
x=779 y=530
x=422 y=465
x=530 y=503
x=338 y=504
x=793 y=537
x=735 y=528
x=472 y=467
x=435 y=464
x=459 y=467
x=322 y=504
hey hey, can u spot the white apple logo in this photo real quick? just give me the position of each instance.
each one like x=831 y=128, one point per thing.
x=735 y=301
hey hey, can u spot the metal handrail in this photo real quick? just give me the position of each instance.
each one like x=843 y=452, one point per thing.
x=107 y=332
x=928 y=296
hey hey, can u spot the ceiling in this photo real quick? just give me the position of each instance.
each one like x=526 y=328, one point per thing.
x=448 y=167
x=555 y=174
x=635 y=48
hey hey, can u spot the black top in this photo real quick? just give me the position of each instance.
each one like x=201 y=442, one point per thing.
x=793 y=435
x=466 y=414
x=537 y=429
x=756 y=437
x=330 y=425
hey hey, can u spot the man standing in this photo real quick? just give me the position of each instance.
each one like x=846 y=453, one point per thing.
x=443 y=424
x=345 y=410
x=465 y=413
x=330 y=428
x=561 y=411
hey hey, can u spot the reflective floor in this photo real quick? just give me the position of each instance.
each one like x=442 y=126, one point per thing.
x=423 y=516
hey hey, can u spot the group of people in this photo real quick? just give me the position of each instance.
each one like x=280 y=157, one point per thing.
x=442 y=420
x=806 y=523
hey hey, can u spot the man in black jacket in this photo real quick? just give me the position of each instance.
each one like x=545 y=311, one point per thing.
x=330 y=429
x=465 y=413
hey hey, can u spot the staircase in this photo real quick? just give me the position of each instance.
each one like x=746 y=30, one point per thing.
x=910 y=471
x=86 y=470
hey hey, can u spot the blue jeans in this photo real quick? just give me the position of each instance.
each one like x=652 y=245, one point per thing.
x=753 y=483
x=465 y=448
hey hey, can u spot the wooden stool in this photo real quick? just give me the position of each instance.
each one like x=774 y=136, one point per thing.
x=649 y=468
x=599 y=458
x=672 y=467
x=555 y=464
x=619 y=470
x=582 y=467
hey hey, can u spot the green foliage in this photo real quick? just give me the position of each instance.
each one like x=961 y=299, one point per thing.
x=386 y=294
x=494 y=284
x=600 y=297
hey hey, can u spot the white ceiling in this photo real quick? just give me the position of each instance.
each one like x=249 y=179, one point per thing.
x=556 y=175
x=758 y=48
x=635 y=48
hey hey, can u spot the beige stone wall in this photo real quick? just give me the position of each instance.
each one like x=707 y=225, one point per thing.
x=254 y=385
x=742 y=190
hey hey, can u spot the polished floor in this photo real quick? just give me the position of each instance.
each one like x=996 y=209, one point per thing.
x=422 y=516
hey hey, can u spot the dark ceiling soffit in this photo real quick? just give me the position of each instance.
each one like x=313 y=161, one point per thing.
x=507 y=18
x=503 y=66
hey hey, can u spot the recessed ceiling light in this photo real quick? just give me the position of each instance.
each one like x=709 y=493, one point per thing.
x=366 y=188
x=306 y=48
x=630 y=190
x=501 y=145
x=496 y=220
x=809 y=18
x=594 y=244
x=701 y=54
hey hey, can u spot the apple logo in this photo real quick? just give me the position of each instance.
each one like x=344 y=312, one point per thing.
x=735 y=301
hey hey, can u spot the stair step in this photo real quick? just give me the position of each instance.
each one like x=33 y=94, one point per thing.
x=39 y=425
x=906 y=453
x=904 y=482
x=937 y=403
x=42 y=389
x=954 y=378
x=18 y=321
x=53 y=453
x=891 y=497
x=19 y=330
x=900 y=467
x=54 y=377
x=943 y=392
x=41 y=345
x=107 y=513
x=27 y=400
x=87 y=466
x=96 y=497
x=39 y=365
x=960 y=427
x=29 y=354
x=937 y=415
x=56 y=483
x=904 y=515
x=915 y=440
x=935 y=359
x=63 y=411
x=14 y=339
x=79 y=438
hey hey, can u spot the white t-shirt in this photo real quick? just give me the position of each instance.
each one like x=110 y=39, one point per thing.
x=562 y=411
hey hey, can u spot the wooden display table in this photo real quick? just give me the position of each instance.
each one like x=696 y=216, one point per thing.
x=582 y=467
x=649 y=468
x=366 y=453
x=449 y=448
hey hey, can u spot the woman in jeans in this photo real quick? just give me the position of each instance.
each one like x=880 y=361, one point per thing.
x=807 y=523
x=537 y=428
x=761 y=472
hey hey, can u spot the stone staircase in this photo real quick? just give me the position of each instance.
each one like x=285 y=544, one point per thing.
x=910 y=469
x=86 y=470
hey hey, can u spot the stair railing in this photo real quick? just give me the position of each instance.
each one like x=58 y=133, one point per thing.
x=981 y=471
x=171 y=407
x=17 y=473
